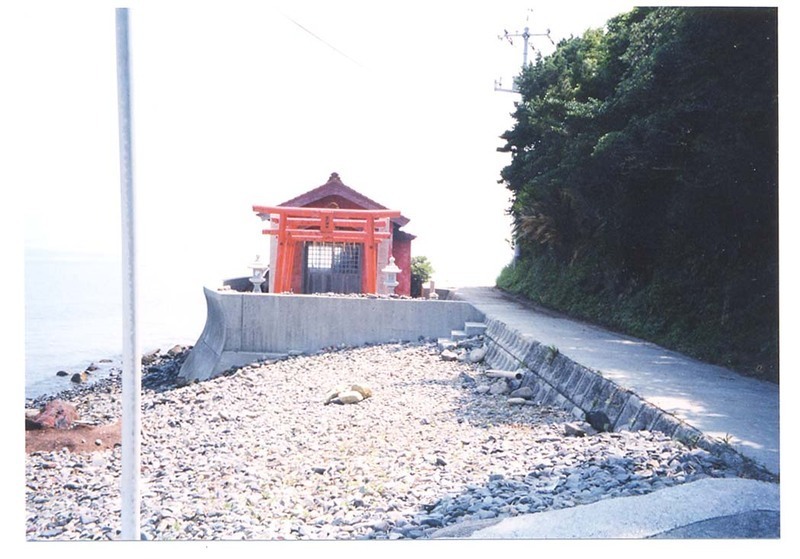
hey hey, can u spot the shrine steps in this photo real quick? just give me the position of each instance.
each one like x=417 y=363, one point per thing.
x=471 y=329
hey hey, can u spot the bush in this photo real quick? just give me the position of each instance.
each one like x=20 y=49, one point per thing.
x=421 y=271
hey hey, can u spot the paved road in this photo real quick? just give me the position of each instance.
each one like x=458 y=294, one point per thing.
x=717 y=401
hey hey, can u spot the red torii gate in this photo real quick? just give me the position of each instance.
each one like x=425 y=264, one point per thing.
x=298 y=225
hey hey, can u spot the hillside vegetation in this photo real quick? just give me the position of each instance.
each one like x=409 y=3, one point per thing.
x=644 y=181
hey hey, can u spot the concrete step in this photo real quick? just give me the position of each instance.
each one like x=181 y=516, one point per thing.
x=474 y=328
x=458 y=335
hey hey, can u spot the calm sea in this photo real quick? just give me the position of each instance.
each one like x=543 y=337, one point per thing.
x=73 y=316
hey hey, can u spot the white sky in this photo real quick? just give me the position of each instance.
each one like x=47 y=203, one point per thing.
x=234 y=104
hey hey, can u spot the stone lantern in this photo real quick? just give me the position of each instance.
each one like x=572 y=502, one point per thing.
x=391 y=271
x=259 y=268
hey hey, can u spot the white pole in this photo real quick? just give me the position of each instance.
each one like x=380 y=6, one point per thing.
x=131 y=353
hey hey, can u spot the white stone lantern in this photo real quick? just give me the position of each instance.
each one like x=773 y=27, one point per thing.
x=257 y=278
x=391 y=271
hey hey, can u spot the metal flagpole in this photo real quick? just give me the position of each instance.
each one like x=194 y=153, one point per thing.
x=131 y=354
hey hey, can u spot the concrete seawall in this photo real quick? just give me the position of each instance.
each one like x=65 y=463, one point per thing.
x=561 y=382
x=243 y=327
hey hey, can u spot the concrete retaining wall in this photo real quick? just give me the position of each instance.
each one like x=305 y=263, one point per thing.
x=560 y=382
x=242 y=327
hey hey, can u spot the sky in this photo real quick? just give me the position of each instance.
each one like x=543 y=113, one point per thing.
x=243 y=103
x=240 y=103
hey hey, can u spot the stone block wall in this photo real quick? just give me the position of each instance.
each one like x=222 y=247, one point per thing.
x=560 y=382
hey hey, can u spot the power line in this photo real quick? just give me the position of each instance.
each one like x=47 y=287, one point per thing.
x=324 y=42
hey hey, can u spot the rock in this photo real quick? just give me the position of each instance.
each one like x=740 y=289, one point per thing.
x=175 y=350
x=365 y=391
x=351 y=394
x=477 y=354
x=106 y=361
x=150 y=357
x=498 y=388
x=62 y=373
x=525 y=392
x=56 y=414
x=574 y=430
x=78 y=378
x=599 y=421
x=483 y=389
x=434 y=520
x=449 y=355
x=350 y=397
x=91 y=367
x=374 y=472
x=331 y=396
x=517 y=401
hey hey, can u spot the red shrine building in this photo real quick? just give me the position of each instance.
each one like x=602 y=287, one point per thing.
x=334 y=239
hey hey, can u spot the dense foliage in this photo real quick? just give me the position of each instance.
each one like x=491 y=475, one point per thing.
x=644 y=181
x=421 y=271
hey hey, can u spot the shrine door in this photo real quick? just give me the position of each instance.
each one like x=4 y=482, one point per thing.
x=332 y=267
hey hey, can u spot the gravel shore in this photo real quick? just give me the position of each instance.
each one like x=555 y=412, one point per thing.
x=257 y=455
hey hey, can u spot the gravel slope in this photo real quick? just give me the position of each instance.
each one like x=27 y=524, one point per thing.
x=257 y=455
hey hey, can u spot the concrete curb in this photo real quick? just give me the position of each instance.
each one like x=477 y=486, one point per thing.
x=636 y=517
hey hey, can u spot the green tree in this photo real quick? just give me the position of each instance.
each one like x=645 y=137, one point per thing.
x=421 y=271
x=644 y=180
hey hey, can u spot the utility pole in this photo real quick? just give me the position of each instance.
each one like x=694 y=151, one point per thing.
x=131 y=353
x=526 y=35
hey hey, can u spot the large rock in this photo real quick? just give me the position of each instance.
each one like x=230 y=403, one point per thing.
x=56 y=414
x=578 y=429
x=449 y=355
x=365 y=391
x=598 y=420
x=349 y=394
x=477 y=354
x=499 y=387
x=150 y=357
x=350 y=397
x=176 y=350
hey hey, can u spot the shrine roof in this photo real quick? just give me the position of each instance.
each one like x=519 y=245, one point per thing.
x=335 y=187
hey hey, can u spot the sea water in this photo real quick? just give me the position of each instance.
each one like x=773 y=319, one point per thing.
x=73 y=316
